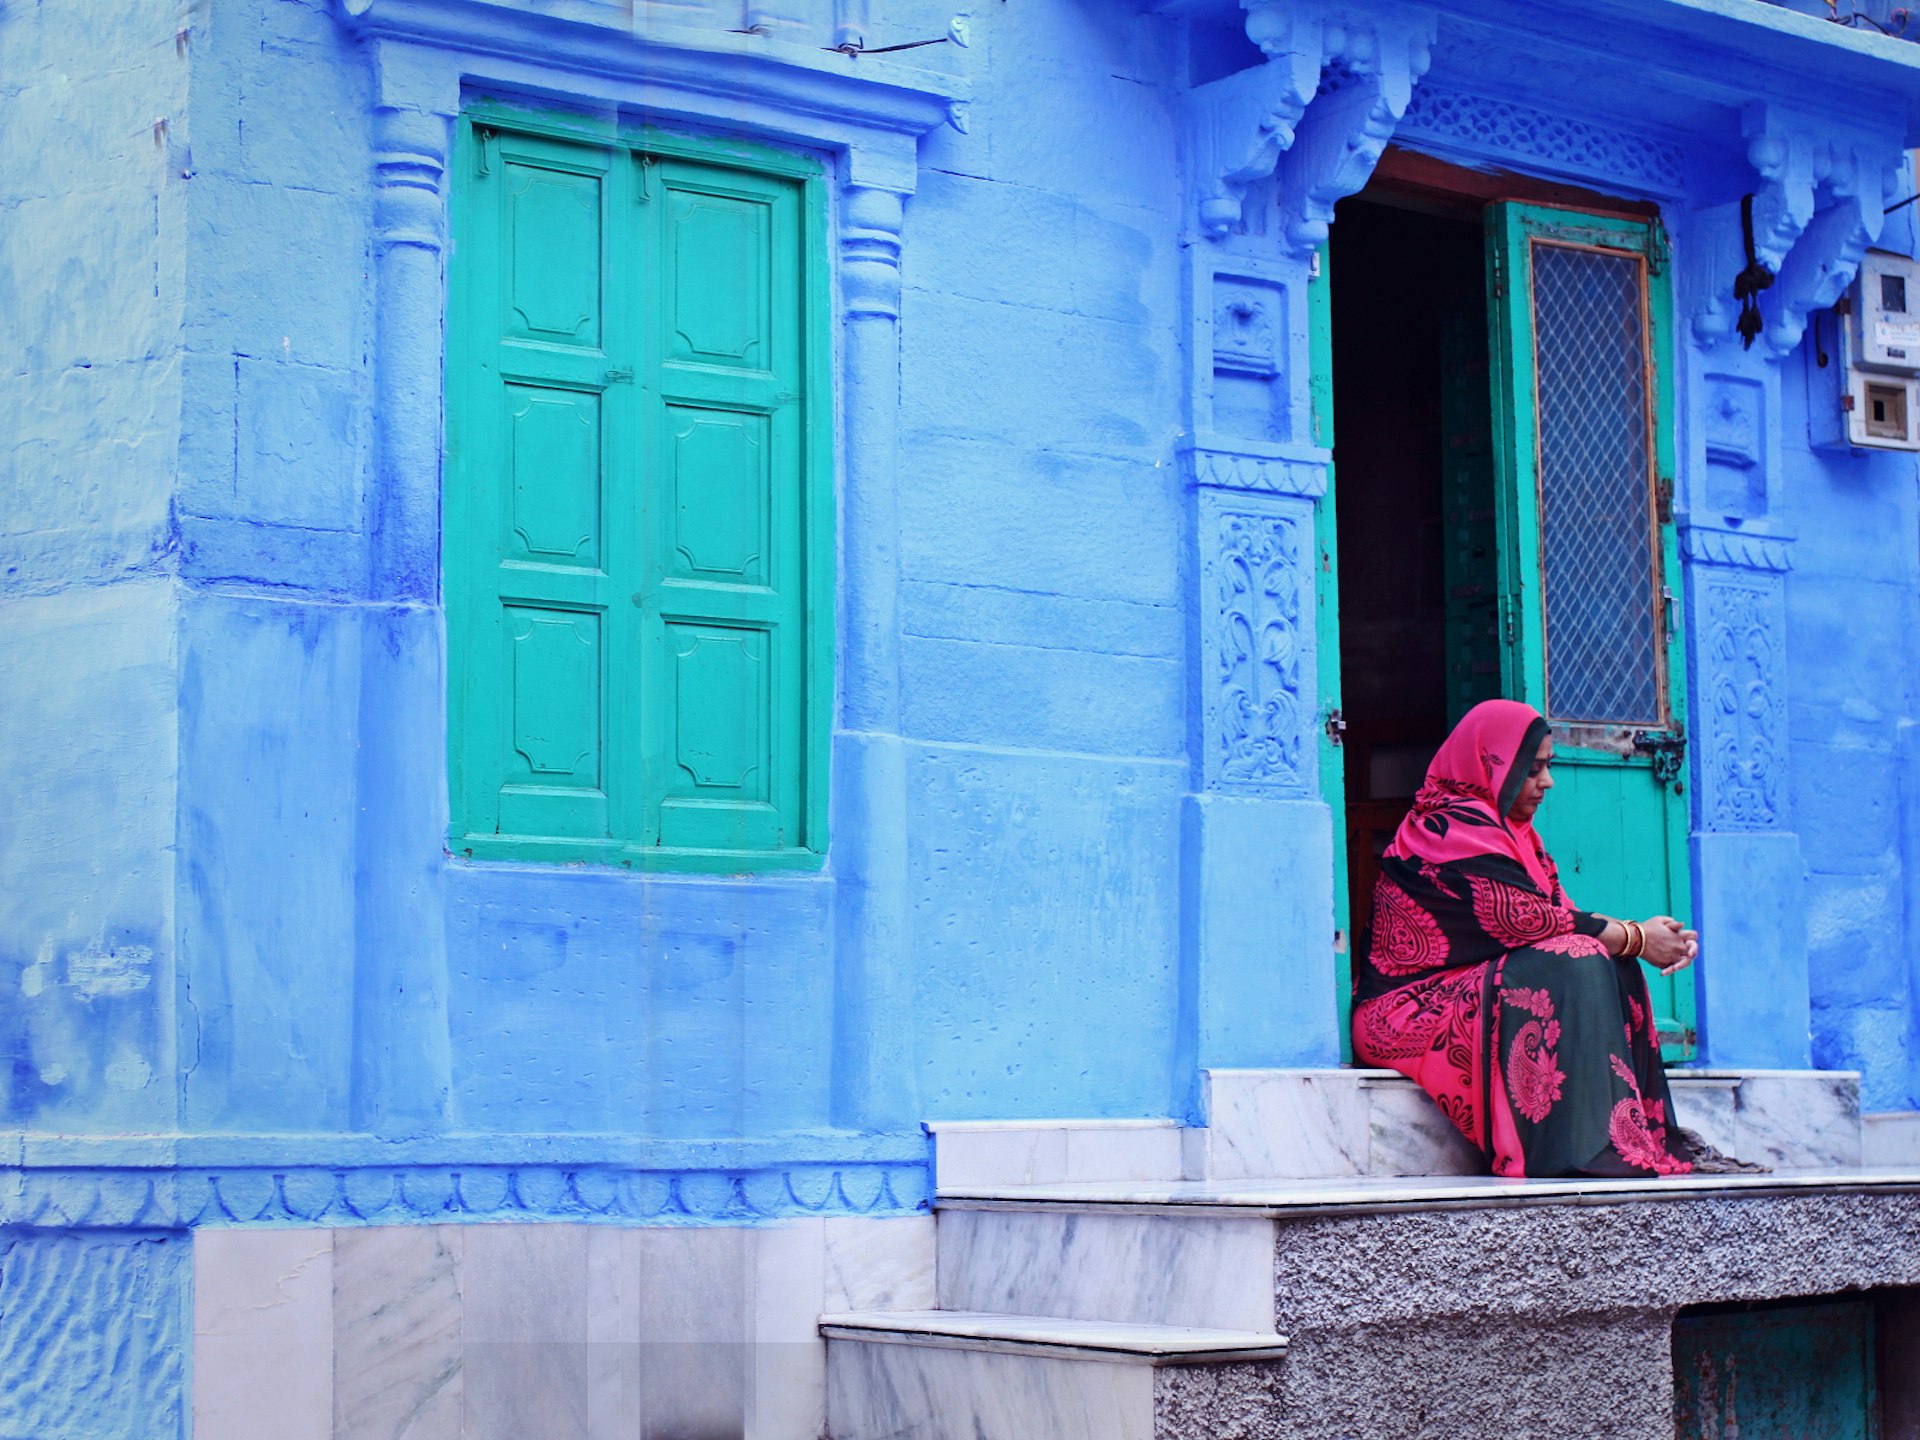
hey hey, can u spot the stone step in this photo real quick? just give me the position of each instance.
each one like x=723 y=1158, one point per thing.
x=1205 y=1254
x=1891 y=1138
x=947 y=1375
x=1305 y=1123
x=1351 y=1122
x=1040 y=1152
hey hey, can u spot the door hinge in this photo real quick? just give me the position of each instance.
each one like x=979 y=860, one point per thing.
x=643 y=177
x=1659 y=253
x=617 y=376
x=1336 y=726
x=1687 y=1037
x=1663 y=499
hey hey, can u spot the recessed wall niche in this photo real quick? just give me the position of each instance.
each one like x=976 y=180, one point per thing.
x=1249 y=336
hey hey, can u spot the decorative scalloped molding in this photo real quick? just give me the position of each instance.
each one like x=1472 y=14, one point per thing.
x=166 y=1198
x=1501 y=128
x=1818 y=204
x=1770 y=554
x=1316 y=115
x=1222 y=469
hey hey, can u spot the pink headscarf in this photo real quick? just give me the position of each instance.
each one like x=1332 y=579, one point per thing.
x=1480 y=768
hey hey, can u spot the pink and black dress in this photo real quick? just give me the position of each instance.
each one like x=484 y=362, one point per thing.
x=1483 y=984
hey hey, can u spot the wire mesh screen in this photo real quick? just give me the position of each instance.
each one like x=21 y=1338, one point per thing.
x=1596 y=547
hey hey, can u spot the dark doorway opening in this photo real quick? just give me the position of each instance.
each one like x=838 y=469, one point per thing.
x=1413 y=456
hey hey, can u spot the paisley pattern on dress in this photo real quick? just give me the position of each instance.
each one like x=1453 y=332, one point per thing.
x=1517 y=917
x=1571 y=943
x=1480 y=1016
x=1406 y=939
x=1638 y=1128
x=1534 y=1078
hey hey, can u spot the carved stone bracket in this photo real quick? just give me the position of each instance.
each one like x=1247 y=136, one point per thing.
x=1818 y=204
x=1316 y=115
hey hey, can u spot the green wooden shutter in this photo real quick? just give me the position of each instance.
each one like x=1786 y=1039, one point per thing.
x=723 y=511
x=533 y=543
x=637 y=507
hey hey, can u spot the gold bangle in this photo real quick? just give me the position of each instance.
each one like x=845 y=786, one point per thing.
x=1639 y=945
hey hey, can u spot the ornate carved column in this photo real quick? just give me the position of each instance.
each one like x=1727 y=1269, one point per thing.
x=1270 y=150
x=1818 y=195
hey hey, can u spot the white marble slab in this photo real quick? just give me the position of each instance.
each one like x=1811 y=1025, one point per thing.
x=1021 y=1152
x=787 y=1386
x=1186 y=1270
x=1796 y=1119
x=695 y=1323
x=1280 y=1123
x=1708 y=1105
x=1040 y=1334
x=917 y=1392
x=524 y=1331
x=1408 y=1135
x=1890 y=1138
x=398 y=1368
x=263 y=1333
x=880 y=1264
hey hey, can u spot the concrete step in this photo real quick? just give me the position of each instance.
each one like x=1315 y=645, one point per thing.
x=946 y=1375
x=1464 y=1301
x=1205 y=1254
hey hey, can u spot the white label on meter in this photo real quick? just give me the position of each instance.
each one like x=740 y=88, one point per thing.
x=1896 y=334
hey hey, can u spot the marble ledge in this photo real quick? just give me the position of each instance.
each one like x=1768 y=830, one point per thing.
x=1281 y=1199
x=1045 y=1334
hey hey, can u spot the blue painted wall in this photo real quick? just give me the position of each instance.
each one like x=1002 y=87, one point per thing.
x=224 y=904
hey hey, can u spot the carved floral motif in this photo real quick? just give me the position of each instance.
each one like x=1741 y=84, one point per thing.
x=1740 y=674
x=1257 y=710
x=1500 y=127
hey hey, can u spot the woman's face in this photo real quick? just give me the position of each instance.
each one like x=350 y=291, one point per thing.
x=1539 y=780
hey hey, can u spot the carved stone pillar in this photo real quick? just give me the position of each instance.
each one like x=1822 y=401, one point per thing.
x=1748 y=872
x=874 y=1069
x=1270 y=150
x=401 y=1052
x=1819 y=188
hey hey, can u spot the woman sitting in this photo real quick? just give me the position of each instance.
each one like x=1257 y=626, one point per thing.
x=1527 y=1020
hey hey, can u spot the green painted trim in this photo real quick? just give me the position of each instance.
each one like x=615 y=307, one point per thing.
x=615 y=151
x=1326 y=598
x=1512 y=228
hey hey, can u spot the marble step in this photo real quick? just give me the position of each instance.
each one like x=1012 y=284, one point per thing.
x=1040 y=1152
x=1336 y=1122
x=947 y=1375
x=1891 y=1138
x=1205 y=1254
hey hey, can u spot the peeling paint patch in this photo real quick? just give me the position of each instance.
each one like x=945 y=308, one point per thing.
x=110 y=971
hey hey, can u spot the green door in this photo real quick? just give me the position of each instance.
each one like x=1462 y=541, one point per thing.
x=1580 y=317
x=1326 y=599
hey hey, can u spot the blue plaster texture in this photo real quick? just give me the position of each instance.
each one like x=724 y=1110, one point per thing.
x=225 y=905
x=94 y=1331
x=1853 y=602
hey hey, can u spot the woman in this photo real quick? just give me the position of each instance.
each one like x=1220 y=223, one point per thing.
x=1527 y=1020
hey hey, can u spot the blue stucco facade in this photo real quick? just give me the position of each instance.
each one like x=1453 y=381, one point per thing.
x=248 y=984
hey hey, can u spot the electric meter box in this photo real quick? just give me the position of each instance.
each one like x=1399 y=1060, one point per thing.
x=1867 y=394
